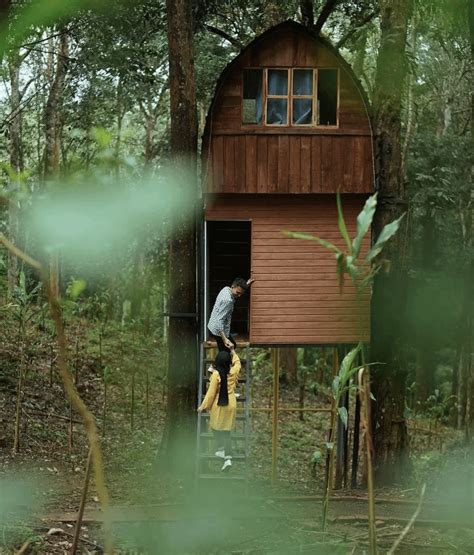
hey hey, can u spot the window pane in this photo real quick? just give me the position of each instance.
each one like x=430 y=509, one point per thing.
x=302 y=111
x=327 y=96
x=303 y=81
x=252 y=96
x=278 y=82
x=277 y=109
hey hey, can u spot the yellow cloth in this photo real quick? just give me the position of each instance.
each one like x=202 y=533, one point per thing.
x=222 y=418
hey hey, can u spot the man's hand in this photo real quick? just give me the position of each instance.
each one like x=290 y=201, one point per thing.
x=228 y=343
x=199 y=409
x=250 y=281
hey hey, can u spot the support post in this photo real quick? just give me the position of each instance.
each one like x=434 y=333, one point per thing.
x=276 y=396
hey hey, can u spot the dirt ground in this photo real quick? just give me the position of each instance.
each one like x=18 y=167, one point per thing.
x=158 y=512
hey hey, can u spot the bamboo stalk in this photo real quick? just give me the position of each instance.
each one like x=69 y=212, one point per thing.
x=80 y=514
x=276 y=395
x=364 y=388
x=132 y=407
x=147 y=395
x=19 y=393
x=331 y=442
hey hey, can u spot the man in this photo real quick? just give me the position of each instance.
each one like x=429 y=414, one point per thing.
x=221 y=315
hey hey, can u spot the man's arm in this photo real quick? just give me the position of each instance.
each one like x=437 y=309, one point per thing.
x=227 y=342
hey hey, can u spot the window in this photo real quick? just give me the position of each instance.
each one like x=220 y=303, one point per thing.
x=277 y=97
x=252 y=96
x=290 y=97
x=327 y=97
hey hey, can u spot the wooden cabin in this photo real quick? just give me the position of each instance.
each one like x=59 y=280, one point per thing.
x=288 y=128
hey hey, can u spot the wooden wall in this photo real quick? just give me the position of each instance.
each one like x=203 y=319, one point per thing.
x=296 y=297
x=248 y=159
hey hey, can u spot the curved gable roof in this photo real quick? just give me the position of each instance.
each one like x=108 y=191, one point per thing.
x=267 y=36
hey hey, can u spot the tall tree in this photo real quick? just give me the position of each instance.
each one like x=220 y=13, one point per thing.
x=467 y=356
x=182 y=344
x=389 y=425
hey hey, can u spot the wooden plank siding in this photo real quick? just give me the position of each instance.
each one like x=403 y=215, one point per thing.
x=296 y=298
x=288 y=163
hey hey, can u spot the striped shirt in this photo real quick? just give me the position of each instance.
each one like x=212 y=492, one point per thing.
x=222 y=313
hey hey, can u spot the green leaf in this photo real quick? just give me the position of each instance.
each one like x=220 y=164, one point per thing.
x=342 y=411
x=22 y=281
x=76 y=288
x=387 y=232
x=364 y=221
x=341 y=223
x=372 y=396
x=335 y=387
x=101 y=136
x=309 y=237
x=347 y=370
x=106 y=373
x=43 y=13
x=329 y=445
x=317 y=457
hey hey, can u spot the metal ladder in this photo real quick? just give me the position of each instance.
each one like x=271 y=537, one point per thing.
x=208 y=466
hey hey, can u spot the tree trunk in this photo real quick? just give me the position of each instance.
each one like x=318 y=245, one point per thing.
x=179 y=433
x=52 y=128
x=389 y=296
x=16 y=161
x=52 y=117
x=468 y=305
x=307 y=13
x=288 y=364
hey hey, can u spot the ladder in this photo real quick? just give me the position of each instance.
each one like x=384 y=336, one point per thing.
x=208 y=466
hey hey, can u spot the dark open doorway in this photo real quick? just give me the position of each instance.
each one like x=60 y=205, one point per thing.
x=228 y=257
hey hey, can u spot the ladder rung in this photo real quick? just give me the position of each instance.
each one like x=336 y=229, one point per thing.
x=241 y=380
x=237 y=416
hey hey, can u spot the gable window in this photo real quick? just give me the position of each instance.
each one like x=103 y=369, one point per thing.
x=290 y=97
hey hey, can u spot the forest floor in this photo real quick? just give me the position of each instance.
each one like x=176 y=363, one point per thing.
x=155 y=511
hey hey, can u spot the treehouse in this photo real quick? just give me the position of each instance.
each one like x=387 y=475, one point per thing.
x=287 y=129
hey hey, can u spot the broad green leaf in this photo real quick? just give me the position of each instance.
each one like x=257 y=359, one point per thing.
x=76 y=288
x=387 y=232
x=347 y=364
x=341 y=223
x=309 y=237
x=106 y=373
x=342 y=411
x=364 y=221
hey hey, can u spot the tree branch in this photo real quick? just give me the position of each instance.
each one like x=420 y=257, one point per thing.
x=219 y=32
x=307 y=13
x=356 y=27
x=327 y=10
